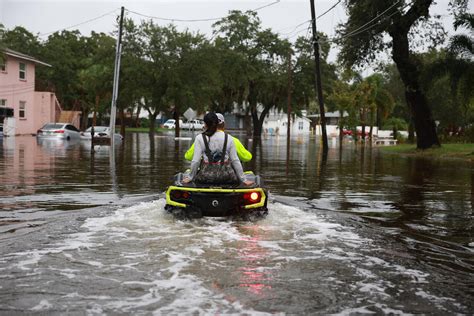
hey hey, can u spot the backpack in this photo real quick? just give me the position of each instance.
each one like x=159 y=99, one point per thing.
x=217 y=171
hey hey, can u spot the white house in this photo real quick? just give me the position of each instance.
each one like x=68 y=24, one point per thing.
x=332 y=122
x=275 y=124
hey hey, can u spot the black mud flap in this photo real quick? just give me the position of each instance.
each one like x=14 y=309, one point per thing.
x=216 y=204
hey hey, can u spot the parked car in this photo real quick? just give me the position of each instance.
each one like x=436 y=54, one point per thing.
x=99 y=132
x=193 y=124
x=1 y=130
x=58 y=130
x=172 y=124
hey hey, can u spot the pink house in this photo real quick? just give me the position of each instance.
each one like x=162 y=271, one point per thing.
x=31 y=109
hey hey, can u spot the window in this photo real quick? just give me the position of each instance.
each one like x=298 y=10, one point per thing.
x=3 y=65
x=3 y=103
x=22 y=71
x=300 y=126
x=22 y=112
x=73 y=128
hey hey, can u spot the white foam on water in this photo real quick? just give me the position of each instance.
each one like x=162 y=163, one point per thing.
x=363 y=310
x=390 y=311
x=42 y=305
x=143 y=247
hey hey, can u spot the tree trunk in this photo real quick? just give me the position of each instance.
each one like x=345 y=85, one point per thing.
x=425 y=127
x=85 y=119
x=411 y=133
x=152 y=118
x=252 y=99
x=176 y=118
x=122 y=123
x=341 y=129
x=137 y=119
x=248 y=124
x=257 y=127
x=258 y=121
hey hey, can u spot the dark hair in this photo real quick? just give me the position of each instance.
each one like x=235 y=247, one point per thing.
x=211 y=121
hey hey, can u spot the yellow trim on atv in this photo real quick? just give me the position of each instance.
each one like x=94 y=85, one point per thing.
x=169 y=201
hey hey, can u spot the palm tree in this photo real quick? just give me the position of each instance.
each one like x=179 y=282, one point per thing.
x=463 y=44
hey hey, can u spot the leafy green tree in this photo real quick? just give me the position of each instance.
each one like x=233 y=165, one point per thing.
x=270 y=87
x=394 y=85
x=304 y=92
x=463 y=44
x=177 y=71
x=193 y=76
x=21 y=40
x=262 y=57
x=342 y=98
x=362 y=37
x=379 y=100
x=96 y=76
x=237 y=33
x=395 y=124
x=67 y=52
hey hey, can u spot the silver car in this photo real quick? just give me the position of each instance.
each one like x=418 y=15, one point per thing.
x=65 y=131
x=99 y=132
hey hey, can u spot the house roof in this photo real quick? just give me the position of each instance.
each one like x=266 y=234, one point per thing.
x=16 y=54
x=331 y=114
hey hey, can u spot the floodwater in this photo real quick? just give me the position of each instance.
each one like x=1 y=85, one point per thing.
x=356 y=232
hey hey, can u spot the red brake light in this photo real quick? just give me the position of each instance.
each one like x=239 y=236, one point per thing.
x=179 y=194
x=60 y=131
x=252 y=197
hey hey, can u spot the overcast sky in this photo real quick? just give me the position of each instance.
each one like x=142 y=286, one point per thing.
x=44 y=17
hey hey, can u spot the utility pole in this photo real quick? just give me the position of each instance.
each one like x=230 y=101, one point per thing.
x=288 y=129
x=289 y=97
x=317 y=74
x=118 y=53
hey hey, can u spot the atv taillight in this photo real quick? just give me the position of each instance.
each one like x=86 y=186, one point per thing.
x=179 y=194
x=252 y=197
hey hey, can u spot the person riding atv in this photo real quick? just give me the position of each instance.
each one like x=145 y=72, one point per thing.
x=242 y=152
x=215 y=159
x=216 y=184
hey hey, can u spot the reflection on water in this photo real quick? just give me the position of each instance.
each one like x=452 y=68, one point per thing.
x=353 y=231
x=253 y=278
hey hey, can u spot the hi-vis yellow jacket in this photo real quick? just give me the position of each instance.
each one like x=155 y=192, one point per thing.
x=244 y=154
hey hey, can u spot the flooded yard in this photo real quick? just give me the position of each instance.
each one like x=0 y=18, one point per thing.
x=356 y=232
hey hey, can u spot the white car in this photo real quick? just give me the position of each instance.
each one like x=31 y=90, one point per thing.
x=171 y=124
x=99 y=132
x=193 y=125
x=65 y=131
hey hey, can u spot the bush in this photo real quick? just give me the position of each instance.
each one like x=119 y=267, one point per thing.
x=469 y=134
x=144 y=122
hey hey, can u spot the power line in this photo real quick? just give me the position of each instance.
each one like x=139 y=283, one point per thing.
x=294 y=28
x=196 y=20
x=82 y=23
x=265 y=6
x=307 y=21
x=328 y=10
x=361 y=27
x=359 y=31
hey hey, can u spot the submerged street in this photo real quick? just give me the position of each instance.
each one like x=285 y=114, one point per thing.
x=359 y=232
